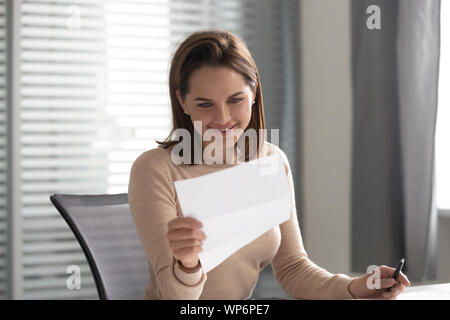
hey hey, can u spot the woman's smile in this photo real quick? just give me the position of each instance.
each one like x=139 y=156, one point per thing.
x=225 y=130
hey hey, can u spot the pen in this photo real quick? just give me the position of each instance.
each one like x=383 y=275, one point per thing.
x=397 y=271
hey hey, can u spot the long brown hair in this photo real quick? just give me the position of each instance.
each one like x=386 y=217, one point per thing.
x=213 y=47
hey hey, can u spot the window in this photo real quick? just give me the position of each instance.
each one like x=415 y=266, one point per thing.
x=443 y=115
x=91 y=94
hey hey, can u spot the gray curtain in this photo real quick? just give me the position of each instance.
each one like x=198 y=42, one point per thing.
x=279 y=67
x=395 y=80
x=280 y=77
x=290 y=128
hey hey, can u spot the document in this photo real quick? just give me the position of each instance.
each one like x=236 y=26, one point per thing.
x=439 y=291
x=236 y=205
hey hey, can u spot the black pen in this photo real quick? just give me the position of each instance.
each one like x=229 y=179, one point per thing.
x=397 y=271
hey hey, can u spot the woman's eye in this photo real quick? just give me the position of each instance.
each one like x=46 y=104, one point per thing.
x=234 y=100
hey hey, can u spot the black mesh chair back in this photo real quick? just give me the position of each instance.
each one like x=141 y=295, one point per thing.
x=106 y=232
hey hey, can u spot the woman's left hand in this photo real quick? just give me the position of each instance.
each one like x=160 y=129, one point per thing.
x=362 y=287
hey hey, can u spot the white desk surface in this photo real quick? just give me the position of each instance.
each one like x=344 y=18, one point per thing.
x=440 y=291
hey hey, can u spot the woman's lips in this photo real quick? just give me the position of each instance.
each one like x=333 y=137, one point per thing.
x=226 y=131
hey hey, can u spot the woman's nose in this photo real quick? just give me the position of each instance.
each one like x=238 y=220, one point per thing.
x=222 y=114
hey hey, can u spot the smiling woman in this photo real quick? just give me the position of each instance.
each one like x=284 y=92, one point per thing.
x=223 y=114
x=214 y=80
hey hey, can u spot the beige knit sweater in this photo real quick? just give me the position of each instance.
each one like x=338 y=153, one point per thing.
x=153 y=203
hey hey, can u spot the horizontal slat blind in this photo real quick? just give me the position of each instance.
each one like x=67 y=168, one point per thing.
x=138 y=43
x=143 y=35
x=94 y=95
x=3 y=152
x=62 y=71
x=257 y=22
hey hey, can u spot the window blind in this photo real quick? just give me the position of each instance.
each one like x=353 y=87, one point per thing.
x=62 y=63
x=94 y=95
x=3 y=155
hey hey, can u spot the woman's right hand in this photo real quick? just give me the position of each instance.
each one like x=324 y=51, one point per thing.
x=186 y=240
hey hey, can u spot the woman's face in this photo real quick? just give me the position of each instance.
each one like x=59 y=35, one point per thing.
x=220 y=98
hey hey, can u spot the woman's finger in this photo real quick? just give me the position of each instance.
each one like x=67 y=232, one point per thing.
x=388 y=272
x=403 y=279
x=184 y=222
x=387 y=282
x=399 y=287
x=395 y=291
x=181 y=234
x=389 y=295
x=188 y=251
x=180 y=244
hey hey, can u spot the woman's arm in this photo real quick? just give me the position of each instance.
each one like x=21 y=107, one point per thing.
x=294 y=271
x=151 y=198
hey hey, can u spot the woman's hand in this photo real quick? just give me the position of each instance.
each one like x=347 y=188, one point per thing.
x=361 y=290
x=186 y=240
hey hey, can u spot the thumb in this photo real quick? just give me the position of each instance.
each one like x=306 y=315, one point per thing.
x=373 y=284
x=387 y=282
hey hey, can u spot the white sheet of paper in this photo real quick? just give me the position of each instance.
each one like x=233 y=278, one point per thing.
x=236 y=205
x=427 y=292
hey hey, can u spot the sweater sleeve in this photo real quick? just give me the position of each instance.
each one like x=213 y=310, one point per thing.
x=151 y=198
x=294 y=271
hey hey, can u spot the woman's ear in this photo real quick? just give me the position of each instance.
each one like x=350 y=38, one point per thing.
x=180 y=101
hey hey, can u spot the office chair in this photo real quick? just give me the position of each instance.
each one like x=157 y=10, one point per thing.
x=103 y=226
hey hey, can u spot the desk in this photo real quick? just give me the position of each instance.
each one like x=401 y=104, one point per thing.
x=439 y=291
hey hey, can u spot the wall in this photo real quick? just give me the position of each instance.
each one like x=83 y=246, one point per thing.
x=326 y=117
x=443 y=249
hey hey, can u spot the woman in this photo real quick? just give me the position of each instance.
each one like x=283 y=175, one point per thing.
x=214 y=85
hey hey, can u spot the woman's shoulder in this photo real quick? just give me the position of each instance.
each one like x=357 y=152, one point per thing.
x=155 y=158
x=272 y=149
